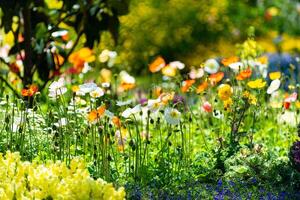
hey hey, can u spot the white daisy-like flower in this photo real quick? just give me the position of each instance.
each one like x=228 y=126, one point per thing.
x=177 y=64
x=154 y=104
x=211 y=66
x=98 y=92
x=172 y=116
x=131 y=111
x=275 y=84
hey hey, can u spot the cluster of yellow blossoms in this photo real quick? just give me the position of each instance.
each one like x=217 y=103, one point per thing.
x=25 y=180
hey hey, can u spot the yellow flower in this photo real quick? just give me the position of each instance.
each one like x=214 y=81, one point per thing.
x=257 y=84
x=250 y=97
x=227 y=103
x=275 y=75
x=225 y=92
x=169 y=71
x=75 y=88
x=297 y=104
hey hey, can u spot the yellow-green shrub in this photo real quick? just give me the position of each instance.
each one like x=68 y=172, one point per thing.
x=25 y=180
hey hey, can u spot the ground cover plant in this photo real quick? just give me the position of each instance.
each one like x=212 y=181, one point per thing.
x=78 y=124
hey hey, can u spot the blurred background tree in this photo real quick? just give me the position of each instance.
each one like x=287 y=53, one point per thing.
x=40 y=31
x=192 y=31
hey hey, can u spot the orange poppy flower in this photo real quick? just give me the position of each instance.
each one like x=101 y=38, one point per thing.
x=230 y=60
x=157 y=64
x=166 y=97
x=81 y=56
x=244 y=74
x=65 y=37
x=116 y=121
x=157 y=91
x=127 y=86
x=186 y=85
x=202 y=87
x=96 y=114
x=29 y=92
x=216 y=78
x=92 y=116
x=101 y=110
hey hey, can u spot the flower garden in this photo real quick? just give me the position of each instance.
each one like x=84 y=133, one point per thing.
x=84 y=116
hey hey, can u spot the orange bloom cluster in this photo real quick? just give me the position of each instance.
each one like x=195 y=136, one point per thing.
x=94 y=115
x=227 y=61
x=29 y=92
x=244 y=74
x=186 y=85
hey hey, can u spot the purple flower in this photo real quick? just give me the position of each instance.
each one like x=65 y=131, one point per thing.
x=178 y=99
x=143 y=101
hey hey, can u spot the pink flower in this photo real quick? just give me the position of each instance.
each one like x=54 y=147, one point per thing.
x=207 y=107
x=291 y=98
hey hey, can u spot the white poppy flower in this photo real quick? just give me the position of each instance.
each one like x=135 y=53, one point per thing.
x=275 y=84
x=57 y=88
x=154 y=105
x=98 y=92
x=172 y=116
x=86 y=88
x=236 y=66
x=177 y=64
x=57 y=84
x=211 y=66
x=131 y=111
x=126 y=78
x=196 y=73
